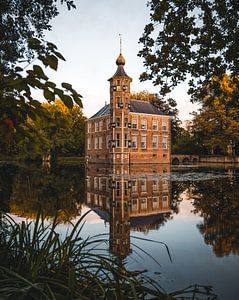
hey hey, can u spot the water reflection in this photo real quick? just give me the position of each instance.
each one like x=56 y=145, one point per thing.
x=140 y=198
x=129 y=198
x=23 y=190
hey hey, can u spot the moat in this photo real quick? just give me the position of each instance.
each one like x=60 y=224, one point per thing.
x=194 y=210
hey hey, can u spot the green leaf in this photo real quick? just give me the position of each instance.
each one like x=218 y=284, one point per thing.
x=59 y=55
x=51 y=61
x=50 y=84
x=67 y=101
x=67 y=86
x=49 y=95
x=77 y=100
x=38 y=70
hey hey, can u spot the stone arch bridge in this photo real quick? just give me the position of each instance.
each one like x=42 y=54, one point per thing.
x=184 y=159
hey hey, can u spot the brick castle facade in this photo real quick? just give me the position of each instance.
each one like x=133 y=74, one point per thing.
x=127 y=130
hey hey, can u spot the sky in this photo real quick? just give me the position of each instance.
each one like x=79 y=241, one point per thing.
x=88 y=38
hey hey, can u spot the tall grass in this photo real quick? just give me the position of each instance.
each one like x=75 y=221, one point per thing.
x=37 y=263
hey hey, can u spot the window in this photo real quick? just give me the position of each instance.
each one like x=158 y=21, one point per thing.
x=143 y=203
x=155 y=142
x=155 y=202
x=134 y=141
x=134 y=186
x=107 y=141
x=96 y=143
x=143 y=142
x=125 y=122
x=88 y=197
x=155 y=125
x=143 y=124
x=96 y=126
x=118 y=88
x=126 y=140
x=107 y=123
x=165 y=143
x=96 y=182
x=117 y=122
x=143 y=185
x=164 y=126
x=134 y=204
x=88 y=182
x=118 y=101
x=117 y=140
x=155 y=185
x=100 y=142
x=88 y=143
x=101 y=125
x=134 y=123
x=165 y=201
x=89 y=126
x=164 y=185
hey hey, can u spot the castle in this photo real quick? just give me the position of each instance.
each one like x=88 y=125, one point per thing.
x=127 y=131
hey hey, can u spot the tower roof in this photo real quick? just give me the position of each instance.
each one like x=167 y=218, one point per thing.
x=120 y=72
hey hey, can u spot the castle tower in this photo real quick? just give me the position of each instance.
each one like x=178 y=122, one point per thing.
x=119 y=113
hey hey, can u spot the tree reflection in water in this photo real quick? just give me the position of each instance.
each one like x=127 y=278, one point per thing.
x=217 y=202
x=24 y=190
x=139 y=198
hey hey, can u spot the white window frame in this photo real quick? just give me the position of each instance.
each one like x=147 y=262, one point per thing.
x=164 y=143
x=134 y=141
x=143 y=142
x=143 y=203
x=143 y=125
x=155 y=202
x=143 y=185
x=100 y=125
x=155 y=142
x=164 y=126
x=155 y=125
x=96 y=126
x=134 y=123
x=100 y=142
x=88 y=143
x=96 y=144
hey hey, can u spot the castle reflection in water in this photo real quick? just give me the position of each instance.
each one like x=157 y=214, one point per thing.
x=130 y=198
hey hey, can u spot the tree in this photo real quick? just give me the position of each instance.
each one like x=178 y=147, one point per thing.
x=217 y=122
x=20 y=43
x=19 y=21
x=65 y=129
x=190 y=37
x=166 y=106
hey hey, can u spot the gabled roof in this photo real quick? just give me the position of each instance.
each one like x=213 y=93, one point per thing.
x=102 y=112
x=143 y=107
x=136 y=106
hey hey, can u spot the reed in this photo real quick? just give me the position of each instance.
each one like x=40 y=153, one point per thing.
x=37 y=263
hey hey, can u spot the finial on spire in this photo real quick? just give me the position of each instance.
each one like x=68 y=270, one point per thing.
x=120 y=35
x=120 y=60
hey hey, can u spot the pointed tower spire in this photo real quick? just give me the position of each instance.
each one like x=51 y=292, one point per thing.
x=120 y=35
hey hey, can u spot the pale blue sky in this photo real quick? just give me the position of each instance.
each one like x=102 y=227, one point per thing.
x=88 y=37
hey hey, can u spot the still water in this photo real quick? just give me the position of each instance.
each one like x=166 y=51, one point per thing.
x=194 y=211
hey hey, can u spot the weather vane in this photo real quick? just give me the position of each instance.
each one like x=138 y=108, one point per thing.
x=120 y=35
